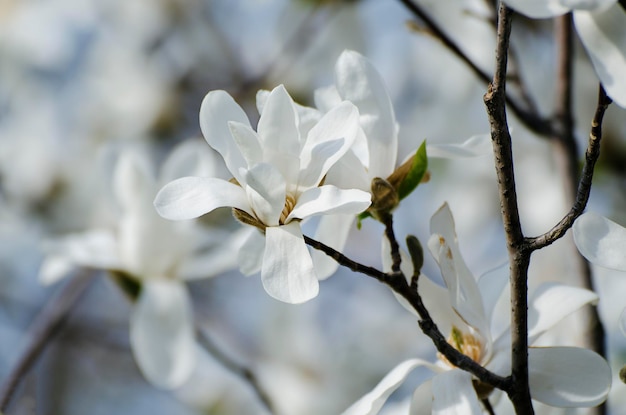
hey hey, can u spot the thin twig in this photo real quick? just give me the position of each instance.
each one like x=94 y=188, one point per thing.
x=47 y=324
x=495 y=101
x=398 y=283
x=584 y=186
x=396 y=259
x=532 y=120
x=246 y=373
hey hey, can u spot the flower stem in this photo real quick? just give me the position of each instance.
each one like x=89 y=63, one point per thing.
x=248 y=375
x=47 y=324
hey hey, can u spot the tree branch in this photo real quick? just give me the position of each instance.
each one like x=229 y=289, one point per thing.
x=584 y=186
x=46 y=325
x=248 y=375
x=531 y=119
x=495 y=101
x=398 y=283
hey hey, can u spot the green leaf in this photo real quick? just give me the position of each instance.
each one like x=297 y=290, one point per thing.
x=360 y=217
x=418 y=169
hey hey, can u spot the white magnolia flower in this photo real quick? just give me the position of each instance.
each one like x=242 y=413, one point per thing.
x=278 y=175
x=603 y=243
x=601 y=26
x=158 y=254
x=375 y=151
x=559 y=376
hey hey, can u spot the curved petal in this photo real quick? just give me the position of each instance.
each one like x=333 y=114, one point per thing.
x=333 y=230
x=325 y=200
x=475 y=146
x=542 y=312
x=217 y=109
x=371 y=403
x=435 y=297
x=601 y=241
x=287 y=272
x=250 y=255
x=491 y=286
x=94 y=249
x=278 y=125
x=247 y=142
x=538 y=9
x=133 y=179
x=603 y=33
x=422 y=399
x=568 y=377
x=327 y=141
x=360 y=83
x=162 y=335
x=326 y=98
x=266 y=190
x=464 y=293
x=191 y=197
x=454 y=394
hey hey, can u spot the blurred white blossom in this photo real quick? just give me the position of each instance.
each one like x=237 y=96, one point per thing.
x=156 y=253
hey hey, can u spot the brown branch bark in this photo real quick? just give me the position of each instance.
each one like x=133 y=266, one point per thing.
x=531 y=119
x=398 y=283
x=519 y=257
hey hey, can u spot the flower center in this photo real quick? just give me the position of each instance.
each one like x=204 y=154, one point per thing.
x=465 y=343
x=290 y=202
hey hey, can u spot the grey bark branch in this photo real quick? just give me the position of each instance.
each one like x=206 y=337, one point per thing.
x=519 y=258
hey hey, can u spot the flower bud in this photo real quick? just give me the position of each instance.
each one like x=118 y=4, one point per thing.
x=384 y=197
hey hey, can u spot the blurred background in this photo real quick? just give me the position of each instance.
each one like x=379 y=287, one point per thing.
x=80 y=80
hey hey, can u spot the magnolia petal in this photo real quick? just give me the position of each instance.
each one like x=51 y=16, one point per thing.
x=349 y=173
x=464 y=293
x=217 y=109
x=601 y=241
x=538 y=9
x=287 y=272
x=422 y=399
x=371 y=403
x=568 y=377
x=603 y=33
x=475 y=146
x=191 y=197
x=192 y=157
x=328 y=199
x=326 y=98
x=247 y=141
x=308 y=116
x=94 y=249
x=133 y=179
x=454 y=394
x=278 y=125
x=327 y=141
x=250 y=256
x=542 y=312
x=435 y=297
x=491 y=286
x=360 y=83
x=266 y=190
x=162 y=334
x=333 y=230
